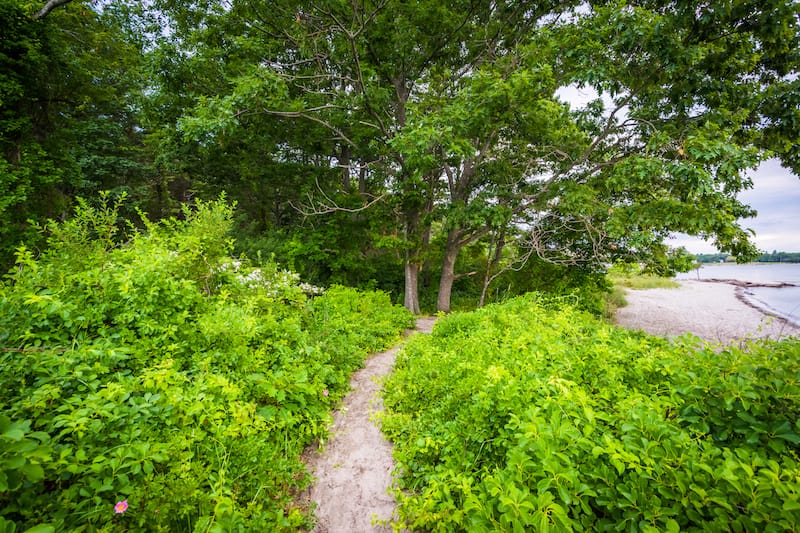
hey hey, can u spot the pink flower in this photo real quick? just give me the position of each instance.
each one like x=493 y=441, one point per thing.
x=325 y=392
x=121 y=507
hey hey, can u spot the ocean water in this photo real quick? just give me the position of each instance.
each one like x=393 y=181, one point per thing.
x=780 y=301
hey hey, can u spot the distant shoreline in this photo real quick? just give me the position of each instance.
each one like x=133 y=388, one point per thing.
x=741 y=293
x=772 y=288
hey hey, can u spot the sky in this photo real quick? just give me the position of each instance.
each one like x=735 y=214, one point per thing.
x=775 y=196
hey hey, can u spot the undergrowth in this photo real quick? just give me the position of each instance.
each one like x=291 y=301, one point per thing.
x=149 y=382
x=631 y=276
x=532 y=416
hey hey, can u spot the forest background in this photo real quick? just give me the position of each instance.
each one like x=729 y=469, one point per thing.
x=415 y=147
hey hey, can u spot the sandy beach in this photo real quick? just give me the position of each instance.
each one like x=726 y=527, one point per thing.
x=712 y=311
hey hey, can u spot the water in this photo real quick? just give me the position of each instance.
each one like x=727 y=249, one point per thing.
x=781 y=301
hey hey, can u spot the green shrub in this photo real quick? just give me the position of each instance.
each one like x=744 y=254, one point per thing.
x=614 y=300
x=527 y=417
x=163 y=374
x=584 y=287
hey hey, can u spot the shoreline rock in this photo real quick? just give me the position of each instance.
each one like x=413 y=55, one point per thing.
x=748 y=284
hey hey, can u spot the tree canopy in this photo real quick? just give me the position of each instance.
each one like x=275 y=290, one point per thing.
x=390 y=136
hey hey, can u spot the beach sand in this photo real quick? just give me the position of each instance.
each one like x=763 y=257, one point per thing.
x=712 y=311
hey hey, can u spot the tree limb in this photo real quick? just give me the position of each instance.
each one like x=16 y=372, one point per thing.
x=329 y=205
x=305 y=114
x=48 y=7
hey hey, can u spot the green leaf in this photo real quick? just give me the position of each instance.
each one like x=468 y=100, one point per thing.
x=13 y=433
x=791 y=505
x=33 y=472
x=41 y=528
x=7 y=526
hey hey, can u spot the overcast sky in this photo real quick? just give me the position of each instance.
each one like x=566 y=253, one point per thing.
x=775 y=195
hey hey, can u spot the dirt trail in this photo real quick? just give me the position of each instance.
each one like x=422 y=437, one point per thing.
x=354 y=468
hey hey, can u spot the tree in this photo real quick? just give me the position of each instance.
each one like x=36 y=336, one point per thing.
x=359 y=70
x=449 y=111
x=68 y=124
x=692 y=83
x=490 y=137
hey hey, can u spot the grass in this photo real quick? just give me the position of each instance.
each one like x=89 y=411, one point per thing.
x=643 y=281
x=622 y=281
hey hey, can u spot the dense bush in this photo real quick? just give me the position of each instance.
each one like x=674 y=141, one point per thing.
x=585 y=287
x=161 y=373
x=529 y=417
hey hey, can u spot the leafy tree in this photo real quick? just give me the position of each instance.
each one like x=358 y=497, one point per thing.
x=447 y=112
x=68 y=125
x=366 y=73
x=690 y=83
x=663 y=151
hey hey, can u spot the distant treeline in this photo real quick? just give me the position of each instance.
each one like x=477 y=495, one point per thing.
x=774 y=257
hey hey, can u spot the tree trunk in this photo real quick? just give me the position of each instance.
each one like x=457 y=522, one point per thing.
x=362 y=181
x=448 y=276
x=492 y=260
x=344 y=163
x=411 y=293
x=412 y=264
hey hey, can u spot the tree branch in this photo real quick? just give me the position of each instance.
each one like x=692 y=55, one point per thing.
x=305 y=114
x=329 y=205
x=48 y=7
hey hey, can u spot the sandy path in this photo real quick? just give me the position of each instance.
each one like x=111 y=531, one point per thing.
x=354 y=468
x=712 y=311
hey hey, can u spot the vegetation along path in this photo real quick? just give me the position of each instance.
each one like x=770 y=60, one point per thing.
x=354 y=468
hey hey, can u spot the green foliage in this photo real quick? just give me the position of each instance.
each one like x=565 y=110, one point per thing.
x=666 y=262
x=585 y=288
x=774 y=257
x=162 y=373
x=68 y=121
x=529 y=416
x=645 y=281
x=632 y=276
x=613 y=301
x=440 y=116
x=336 y=248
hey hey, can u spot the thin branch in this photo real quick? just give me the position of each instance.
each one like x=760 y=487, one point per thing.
x=607 y=129
x=538 y=241
x=464 y=275
x=305 y=115
x=466 y=237
x=329 y=205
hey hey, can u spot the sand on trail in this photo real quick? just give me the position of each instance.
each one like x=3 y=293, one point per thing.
x=354 y=468
x=713 y=311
